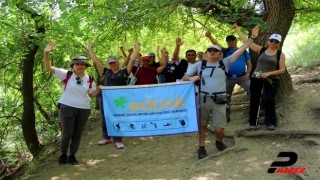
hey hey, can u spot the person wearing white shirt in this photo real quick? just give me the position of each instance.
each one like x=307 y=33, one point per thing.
x=75 y=108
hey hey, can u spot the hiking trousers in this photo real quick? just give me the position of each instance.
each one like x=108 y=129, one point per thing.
x=73 y=121
x=269 y=91
x=104 y=125
x=230 y=83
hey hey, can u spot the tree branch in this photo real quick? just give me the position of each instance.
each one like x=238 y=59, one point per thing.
x=41 y=110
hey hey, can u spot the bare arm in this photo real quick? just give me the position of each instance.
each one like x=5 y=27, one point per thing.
x=95 y=93
x=190 y=78
x=213 y=40
x=245 y=45
x=46 y=52
x=162 y=59
x=177 y=48
x=127 y=59
x=246 y=77
x=249 y=66
x=134 y=56
x=94 y=58
x=163 y=65
x=123 y=52
x=158 y=54
x=253 y=46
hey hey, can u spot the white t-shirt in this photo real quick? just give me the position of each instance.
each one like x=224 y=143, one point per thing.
x=75 y=95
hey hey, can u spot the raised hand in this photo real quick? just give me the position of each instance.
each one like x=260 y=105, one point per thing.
x=255 y=31
x=165 y=55
x=130 y=51
x=137 y=45
x=90 y=46
x=179 y=42
x=208 y=33
x=234 y=26
x=50 y=47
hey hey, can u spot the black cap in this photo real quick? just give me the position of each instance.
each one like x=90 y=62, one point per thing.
x=230 y=38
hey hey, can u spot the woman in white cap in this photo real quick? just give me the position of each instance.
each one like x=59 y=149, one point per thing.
x=265 y=78
x=75 y=108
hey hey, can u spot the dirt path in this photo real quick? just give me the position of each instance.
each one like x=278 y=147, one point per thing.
x=175 y=157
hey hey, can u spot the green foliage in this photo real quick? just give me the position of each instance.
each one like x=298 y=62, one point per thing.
x=301 y=46
x=307 y=12
x=110 y=24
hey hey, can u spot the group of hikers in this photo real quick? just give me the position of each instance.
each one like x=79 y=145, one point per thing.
x=215 y=73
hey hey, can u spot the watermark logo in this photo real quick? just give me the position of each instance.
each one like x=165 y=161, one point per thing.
x=281 y=167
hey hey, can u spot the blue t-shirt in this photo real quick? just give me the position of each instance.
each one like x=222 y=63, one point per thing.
x=239 y=66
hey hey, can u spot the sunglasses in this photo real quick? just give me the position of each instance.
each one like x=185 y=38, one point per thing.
x=213 y=50
x=79 y=80
x=274 y=41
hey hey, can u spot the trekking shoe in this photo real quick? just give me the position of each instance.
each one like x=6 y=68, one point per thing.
x=271 y=128
x=252 y=127
x=220 y=146
x=72 y=160
x=202 y=153
x=63 y=159
x=105 y=141
x=119 y=145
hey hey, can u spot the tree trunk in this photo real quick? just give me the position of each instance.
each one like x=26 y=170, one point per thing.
x=28 y=116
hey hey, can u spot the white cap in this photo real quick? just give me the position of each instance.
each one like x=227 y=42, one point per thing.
x=276 y=36
x=214 y=47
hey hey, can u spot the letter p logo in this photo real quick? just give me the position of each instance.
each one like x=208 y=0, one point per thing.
x=293 y=157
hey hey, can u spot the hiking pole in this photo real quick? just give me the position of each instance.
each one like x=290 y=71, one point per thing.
x=199 y=115
x=258 y=113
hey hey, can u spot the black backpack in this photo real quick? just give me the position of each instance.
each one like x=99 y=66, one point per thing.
x=123 y=74
x=168 y=72
x=278 y=55
x=204 y=65
x=180 y=70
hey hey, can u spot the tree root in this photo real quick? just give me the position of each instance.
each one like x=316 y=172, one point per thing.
x=233 y=148
x=281 y=132
x=11 y=174
x=250 y=132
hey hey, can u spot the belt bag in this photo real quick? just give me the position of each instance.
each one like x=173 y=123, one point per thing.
x=220 y=98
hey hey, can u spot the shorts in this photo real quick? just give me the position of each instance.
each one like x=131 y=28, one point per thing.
x=218 y=112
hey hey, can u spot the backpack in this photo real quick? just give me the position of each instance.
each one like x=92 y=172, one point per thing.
x=180 y=70
x=226 y=52
x=122 y=74
x=132 y=79
x=278 y=55
x=204 y=65
x=69 y=73
x=168 y=72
